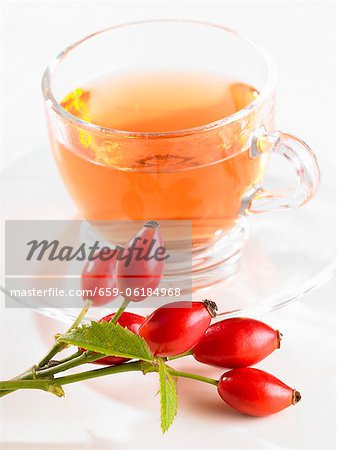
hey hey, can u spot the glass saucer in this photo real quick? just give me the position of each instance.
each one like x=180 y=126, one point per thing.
x=287 y=255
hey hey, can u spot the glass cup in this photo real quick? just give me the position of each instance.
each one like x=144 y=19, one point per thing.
x=210 y=176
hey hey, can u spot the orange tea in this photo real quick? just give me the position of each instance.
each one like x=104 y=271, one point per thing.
x=140 y=171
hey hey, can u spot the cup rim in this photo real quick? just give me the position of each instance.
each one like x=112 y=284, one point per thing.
x=238 y=115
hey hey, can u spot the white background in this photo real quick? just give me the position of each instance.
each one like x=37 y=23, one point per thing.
x=123 y=413
x=300 y=36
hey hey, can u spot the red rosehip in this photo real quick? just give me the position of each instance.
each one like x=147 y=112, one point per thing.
x=127 y=320
x=176 y=327
x=142 y=264
x=99 y=277
x=256 y=393
x=236 y=342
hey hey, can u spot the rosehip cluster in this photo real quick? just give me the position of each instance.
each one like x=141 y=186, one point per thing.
x=172 y=331
x=235 y=343
x=184 y=327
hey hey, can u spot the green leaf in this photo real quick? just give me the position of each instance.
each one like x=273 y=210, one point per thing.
x=168 y=396
x=109 y=339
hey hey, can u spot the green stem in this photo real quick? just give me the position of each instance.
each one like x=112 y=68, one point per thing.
x=120 y=310
x=68 y=379
x=69 y=358
x=43 y=384
x=194 y=376
x=71 y=361
x=130 y=367
x=74 y=362
x=171 y=358
x=28 y=374
x=85 y=357
x=58 y=346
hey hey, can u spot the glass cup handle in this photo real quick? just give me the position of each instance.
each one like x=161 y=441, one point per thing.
x=304 y=161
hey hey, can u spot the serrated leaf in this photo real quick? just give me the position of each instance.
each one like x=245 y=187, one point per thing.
x=168 y=396
x=109 y=339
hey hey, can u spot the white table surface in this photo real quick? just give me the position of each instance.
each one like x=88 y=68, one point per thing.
x=122 y=412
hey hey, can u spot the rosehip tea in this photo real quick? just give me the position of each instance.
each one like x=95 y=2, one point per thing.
x=199 y=178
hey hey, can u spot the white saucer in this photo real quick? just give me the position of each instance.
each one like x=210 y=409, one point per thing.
x=288 y=253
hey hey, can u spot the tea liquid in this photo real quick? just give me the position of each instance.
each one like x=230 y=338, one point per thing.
x=200 y=176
